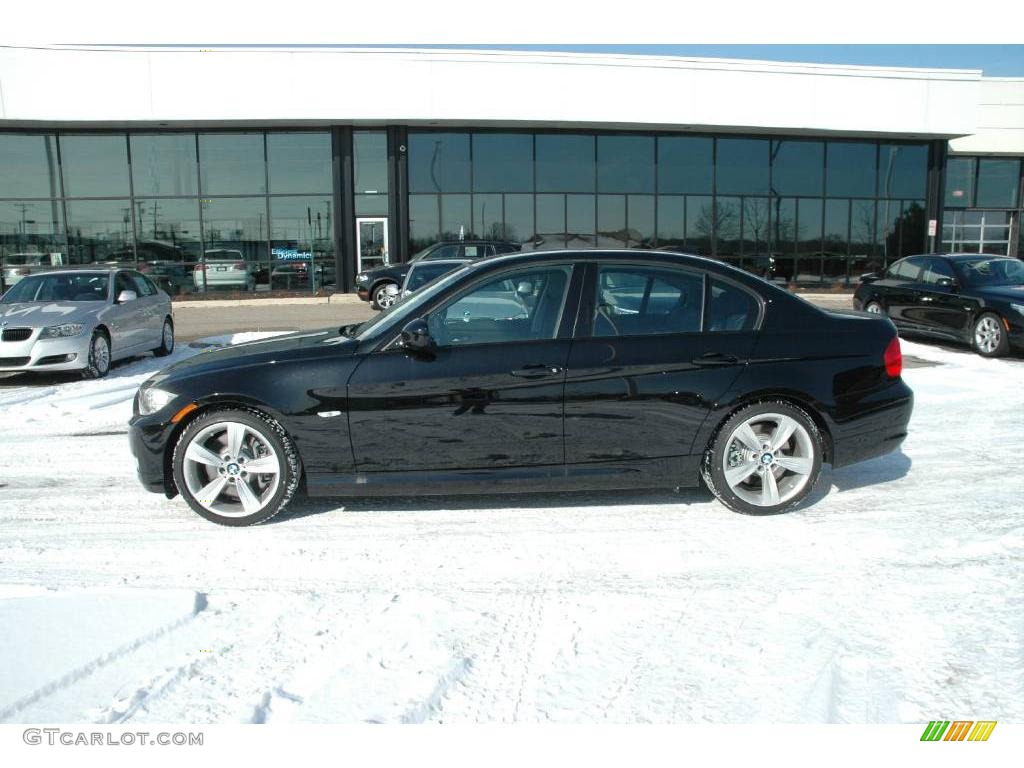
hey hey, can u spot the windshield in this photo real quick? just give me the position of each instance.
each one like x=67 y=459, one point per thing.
x=407 y=306
x=82 y=286
x=987 y=270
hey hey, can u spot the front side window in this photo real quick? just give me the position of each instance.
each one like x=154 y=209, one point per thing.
x=142 y=287
x=647 y=301
x=731 y=308
x=520 y=306
x=935 y=270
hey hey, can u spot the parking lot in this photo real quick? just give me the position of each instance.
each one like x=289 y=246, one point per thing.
x=892 y=595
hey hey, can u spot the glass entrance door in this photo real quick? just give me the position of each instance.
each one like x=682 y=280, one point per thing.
x=372 y=243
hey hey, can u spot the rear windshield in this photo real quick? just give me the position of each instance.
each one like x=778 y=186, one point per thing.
x=991 y=271
x=84 y=286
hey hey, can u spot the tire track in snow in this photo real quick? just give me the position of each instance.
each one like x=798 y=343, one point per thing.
x=88 y=669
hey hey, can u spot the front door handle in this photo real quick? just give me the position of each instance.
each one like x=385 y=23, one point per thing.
x=715 y=358
x=538 y=371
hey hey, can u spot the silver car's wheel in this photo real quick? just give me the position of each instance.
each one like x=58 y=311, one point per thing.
x=385 y=295
x=166 y=339
x=989 y=339
x=764 y=459
x=235 y=467
x=874 y=308
x=98 y=364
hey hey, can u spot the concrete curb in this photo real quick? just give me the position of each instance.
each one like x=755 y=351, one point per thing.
x=335 y=298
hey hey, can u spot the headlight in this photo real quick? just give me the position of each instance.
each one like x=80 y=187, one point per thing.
x=61 y=331
x=362 y=277
x=1018 y=307
x=152 y=400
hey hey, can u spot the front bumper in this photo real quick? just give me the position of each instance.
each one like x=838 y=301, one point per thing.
x=70 y=353
x=363 y=293
x=149 y=438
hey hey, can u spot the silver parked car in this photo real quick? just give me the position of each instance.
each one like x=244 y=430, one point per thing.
x=82 y=320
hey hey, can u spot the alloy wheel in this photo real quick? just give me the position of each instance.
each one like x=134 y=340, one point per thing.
x=100 y=353
x=385 y=298
x=231 y=469
x=769 y=459
x=988 y=334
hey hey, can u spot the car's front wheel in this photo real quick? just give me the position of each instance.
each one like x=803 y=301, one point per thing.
x=98 y=363
x=765 y=458
x=236 y=467
x=166 y=339
x=384 y=295
x=989 y=337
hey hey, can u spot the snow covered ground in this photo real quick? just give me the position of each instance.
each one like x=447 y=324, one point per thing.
x=897 y=596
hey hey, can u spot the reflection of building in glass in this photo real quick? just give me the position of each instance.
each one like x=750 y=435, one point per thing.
x=814 y=193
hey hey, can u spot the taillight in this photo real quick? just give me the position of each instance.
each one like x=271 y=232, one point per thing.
x=23 y=271
x=893 y=358
x=200 y=267
x=144 y=268
x=238 y=265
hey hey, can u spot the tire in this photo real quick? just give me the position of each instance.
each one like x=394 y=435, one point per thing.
x=793 y=465
x=203 y=466
x=98 y=364
x=874 y=308
x=166 y=339
x=381 y=299
x=988 y=336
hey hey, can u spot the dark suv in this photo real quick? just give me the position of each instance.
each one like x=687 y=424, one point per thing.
x=381 y=286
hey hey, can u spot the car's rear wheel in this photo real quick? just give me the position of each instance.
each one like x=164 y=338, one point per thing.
x=989 y=337
x=874 y=308
x=236 y=467
x=166 y=339
x=98 y=364
x=765 y=458
x=384 y=295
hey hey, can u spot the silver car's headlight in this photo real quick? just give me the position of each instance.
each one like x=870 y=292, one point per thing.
x=153 y=399
x=61 y=331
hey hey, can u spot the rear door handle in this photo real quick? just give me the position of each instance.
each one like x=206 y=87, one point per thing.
x=715 y=358
x=538 y=371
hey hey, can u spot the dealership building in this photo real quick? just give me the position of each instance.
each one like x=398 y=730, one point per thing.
x=313 y=164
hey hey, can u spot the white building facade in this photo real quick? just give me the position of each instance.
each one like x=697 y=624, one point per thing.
x=338 y=160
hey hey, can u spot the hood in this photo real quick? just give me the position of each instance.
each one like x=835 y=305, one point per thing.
x=273 y=350
x=39 y=314
x=1014 y=293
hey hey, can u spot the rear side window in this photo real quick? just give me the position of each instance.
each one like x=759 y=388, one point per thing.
x=646 y=301
x=905 y=269
x=443 y=252
x=731 y=308
x=421 y=275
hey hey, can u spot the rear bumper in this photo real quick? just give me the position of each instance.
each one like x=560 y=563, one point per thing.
x=879 y=428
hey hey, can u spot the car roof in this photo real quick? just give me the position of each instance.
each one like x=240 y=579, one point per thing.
x=960 y=256
x=81 y=270
x=432 y=262
x=669 y=257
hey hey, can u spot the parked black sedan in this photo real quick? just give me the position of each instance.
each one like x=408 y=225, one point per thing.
x=965 y=297
x=382 y=286
x=530 y=372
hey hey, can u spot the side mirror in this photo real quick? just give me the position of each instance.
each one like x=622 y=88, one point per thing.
x=947 y=282
x=125 y=296
x=416 y=336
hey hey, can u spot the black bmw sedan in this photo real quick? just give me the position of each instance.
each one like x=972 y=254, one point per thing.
x=535 y=372
x=966 y=297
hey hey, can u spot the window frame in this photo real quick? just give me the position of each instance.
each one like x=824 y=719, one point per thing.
x=589 y=318
x=568 y=312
